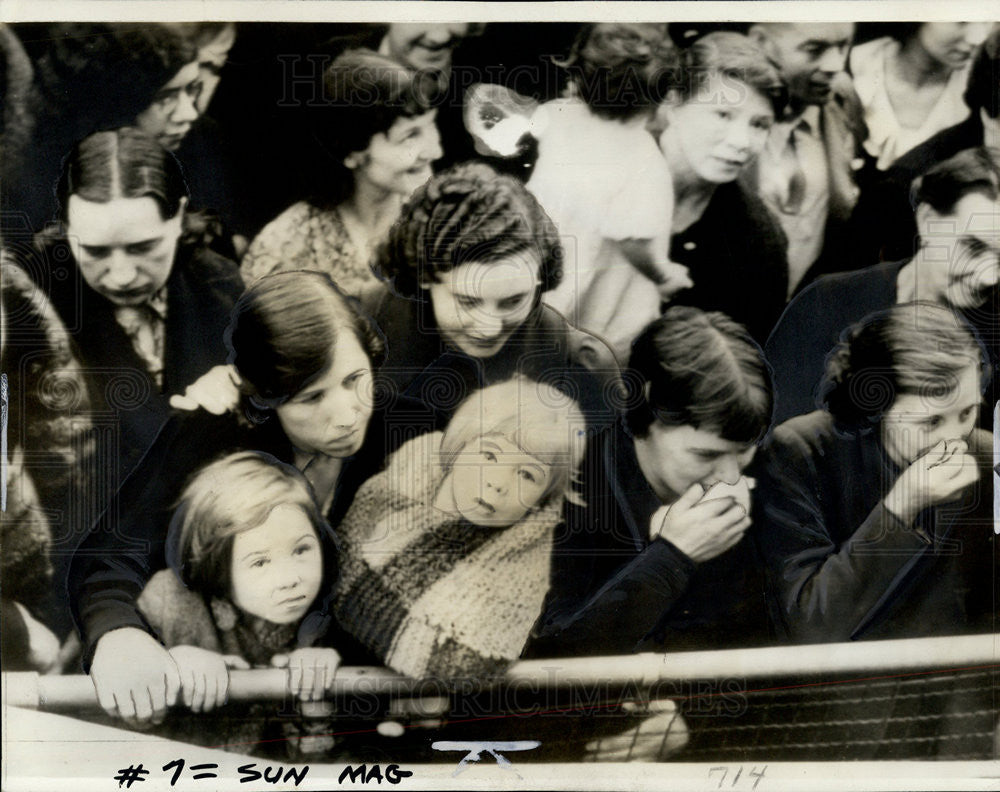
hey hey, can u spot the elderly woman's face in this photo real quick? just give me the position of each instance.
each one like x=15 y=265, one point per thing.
x=917 y=422
x=673 y=458
x=478 y=306
x=124 y=247
x=174 y=108
x=719 y=129
x=399 y=160
x=330 y=415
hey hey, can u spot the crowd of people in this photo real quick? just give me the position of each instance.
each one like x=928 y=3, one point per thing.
x=440 y=346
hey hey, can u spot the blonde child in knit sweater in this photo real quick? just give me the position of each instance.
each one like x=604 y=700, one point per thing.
x=447 y=552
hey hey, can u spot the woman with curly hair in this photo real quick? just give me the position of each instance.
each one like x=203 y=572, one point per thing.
x=377 y=126
x=468 y=263
x=875 y=523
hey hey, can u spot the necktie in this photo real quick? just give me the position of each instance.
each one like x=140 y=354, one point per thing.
x=796 y=175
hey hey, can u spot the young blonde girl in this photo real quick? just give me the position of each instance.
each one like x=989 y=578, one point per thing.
x=447 y=552
x=252 y=562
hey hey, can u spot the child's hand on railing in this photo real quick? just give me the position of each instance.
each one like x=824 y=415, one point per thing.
x=204 y=676
x=310 y=671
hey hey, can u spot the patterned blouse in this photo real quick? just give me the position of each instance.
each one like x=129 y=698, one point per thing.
x=306 y=236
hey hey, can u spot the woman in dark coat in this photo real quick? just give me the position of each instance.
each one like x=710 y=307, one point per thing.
x=875 y=522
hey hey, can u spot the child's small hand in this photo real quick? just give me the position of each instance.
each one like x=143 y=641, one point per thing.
x=310 y=671
x=204 y=676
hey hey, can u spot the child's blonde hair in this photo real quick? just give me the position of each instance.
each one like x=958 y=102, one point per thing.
x=536 y=417
x=225 y=498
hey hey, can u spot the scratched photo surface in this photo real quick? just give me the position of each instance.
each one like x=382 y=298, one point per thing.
x=450 y=401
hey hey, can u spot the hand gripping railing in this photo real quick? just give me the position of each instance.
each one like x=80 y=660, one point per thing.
x=26 y=689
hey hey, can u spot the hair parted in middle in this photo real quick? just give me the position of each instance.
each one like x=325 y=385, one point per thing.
x=700 y=369
x=464 y=214
x=536 y=417
x=909 y=349
x=225 y=498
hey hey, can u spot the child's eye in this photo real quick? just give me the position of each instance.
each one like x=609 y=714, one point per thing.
x=967 y=413
x=489 y=456
x=310 y=398
x=933 y=422
x=527 y=475
x=260 y=562
x=466 y=302
x=302 y=549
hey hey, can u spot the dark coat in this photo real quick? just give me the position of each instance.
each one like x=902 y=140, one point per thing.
x=843 y=567
x=736 y=252
x=883 y=226
x=201 y=292
x=615 y=592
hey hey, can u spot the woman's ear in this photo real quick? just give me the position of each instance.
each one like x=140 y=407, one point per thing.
x=355 y=160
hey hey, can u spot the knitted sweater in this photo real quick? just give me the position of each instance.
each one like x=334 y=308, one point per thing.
x=431 y=594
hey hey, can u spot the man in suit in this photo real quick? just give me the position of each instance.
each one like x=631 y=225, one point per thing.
x=805 y=174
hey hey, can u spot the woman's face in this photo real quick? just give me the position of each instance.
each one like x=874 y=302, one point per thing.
x=277 y=567
x=917 y=422
x=478 y=306
x=174 y=108
x=124 y=247
x=211 y=58
x=399 y=160
x=952 y=43
x=718 y=130
x=330 y=416
x=673 y=458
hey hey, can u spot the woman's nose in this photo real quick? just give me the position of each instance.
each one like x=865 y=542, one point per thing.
x=122 y=271
x=738 y=136
x=432 y=148
x=728 y=469
x=487 y=324
x=186 y=110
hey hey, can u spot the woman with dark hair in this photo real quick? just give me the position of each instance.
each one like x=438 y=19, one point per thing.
x=910 y=83
x=716 y=121
x=658 y=555
x=305 y=356
x=874 y=519
x=144 y=301
x=77 y=89
x=468 y=263
x=376 y=124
